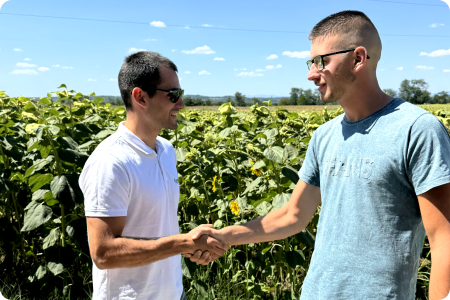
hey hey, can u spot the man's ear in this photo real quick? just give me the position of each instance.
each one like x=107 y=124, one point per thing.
x=360 y=58
x=137 y=98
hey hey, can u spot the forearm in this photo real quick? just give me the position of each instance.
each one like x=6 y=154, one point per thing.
x=276 y=225
x=128 y=253
x=440 y=274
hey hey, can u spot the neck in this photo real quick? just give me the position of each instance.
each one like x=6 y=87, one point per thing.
x=362 y=100
x=143 y=129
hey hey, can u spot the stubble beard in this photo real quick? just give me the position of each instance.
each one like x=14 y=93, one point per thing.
x=342 y=79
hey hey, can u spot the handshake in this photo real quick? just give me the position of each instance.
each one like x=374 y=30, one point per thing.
x=208 y=244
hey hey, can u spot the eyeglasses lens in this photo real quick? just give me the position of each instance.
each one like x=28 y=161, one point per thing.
x=175 y=95
x=318 y=62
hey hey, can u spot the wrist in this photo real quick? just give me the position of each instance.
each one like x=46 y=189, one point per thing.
x=185 y=243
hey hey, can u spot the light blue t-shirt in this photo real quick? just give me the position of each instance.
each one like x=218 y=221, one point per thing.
x=370 y=231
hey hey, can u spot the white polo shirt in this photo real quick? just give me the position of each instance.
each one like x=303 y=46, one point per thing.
x=125 y=177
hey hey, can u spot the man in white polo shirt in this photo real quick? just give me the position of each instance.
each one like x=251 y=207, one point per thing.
x=131 y=192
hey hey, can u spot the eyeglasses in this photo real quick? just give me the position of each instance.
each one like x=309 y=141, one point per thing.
x=318 y=60
x=174 y=94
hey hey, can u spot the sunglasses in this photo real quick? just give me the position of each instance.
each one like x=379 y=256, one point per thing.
x=318 y=60
x=174 y=94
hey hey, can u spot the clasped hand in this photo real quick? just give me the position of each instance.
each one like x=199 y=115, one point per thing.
x=207 y=246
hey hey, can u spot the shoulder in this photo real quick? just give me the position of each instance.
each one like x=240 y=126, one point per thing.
x=165 y=144
x=113 y=150
x=329 y=126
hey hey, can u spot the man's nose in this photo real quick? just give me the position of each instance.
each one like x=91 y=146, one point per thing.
x=179 y=104
x=313 y=73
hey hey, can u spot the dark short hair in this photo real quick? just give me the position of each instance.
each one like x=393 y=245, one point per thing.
x=344 y=22
x=141 y=70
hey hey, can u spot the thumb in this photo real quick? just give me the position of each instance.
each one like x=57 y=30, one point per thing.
x=198 y=233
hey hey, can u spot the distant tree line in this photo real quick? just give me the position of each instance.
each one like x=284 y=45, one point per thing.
x=414 y=91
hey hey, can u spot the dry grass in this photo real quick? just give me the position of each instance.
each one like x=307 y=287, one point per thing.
x=296 y=108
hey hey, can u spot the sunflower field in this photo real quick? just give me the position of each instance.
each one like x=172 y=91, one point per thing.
x=233 y=167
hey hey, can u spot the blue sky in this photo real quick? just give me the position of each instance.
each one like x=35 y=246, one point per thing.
x=37 y=54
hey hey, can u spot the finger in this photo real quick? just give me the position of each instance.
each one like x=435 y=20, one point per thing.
x=204 y=258
x=187 y=255
x=204 y=230
x=207 y=257
x=214 y=256
x=218 y=246
x=196 y=256
x=207 y=225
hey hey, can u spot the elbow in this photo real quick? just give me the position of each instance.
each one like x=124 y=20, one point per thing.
x=100 y=259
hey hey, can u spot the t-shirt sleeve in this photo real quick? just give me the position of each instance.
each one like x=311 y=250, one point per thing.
x=105 y=185
x=309 y=172
x=428 y=154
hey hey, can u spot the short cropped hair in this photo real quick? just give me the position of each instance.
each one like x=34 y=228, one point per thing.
x=341 y=23
x=141 y=70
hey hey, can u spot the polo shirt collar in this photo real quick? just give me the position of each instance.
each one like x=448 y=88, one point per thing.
x=131 y=138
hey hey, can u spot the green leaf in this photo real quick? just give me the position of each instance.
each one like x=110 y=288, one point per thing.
x=259 y=135
x=62 y=191
x=36 y=214
x=263 y=251
x=201 y=288
x=54 y=129
x=259 y=164
x=39 y=195
x=58 y=259
x=252 y=185
x=62 y=86
x=39 y=180
x=290 y=152
x=45 y=101
x=70 y=230
x=181 y=153
x=40 y=272
x=274 y=154
x=295 y=258
x=264 y=208
x=39 y=165
x=306 y=238
x=98 y=100
x=53 y=238
x=92 y=118
x=280 y=200
x=49 y=199
x=290 y=174
x=188 y=267
x=67 y=142
x=271 y=133
x=104 y=133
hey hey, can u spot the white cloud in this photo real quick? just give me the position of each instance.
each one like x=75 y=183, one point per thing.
x=150 y=40
x=25 y=65
x=112 y=79
x=136 y=50
x=187 y=72
x=219 y=58
x=67 y=68
x=434 y=25
x=158 y=24
x=272 y=56
x=302 y=54
x=18 y=50
x=446 y=71
x=56 y=66
x=43 y=69
x=200 y=50
x=187 y=27
x=24 y=72
x=27 y=59
x=249 y=74
x=173 y=50
x=424 y=68
x=235 y=69
x=180 y=79
x=279 y=66
x=207 y=25
x=269 y=67
x=204 y=72
x=400 y=68
x=90 y=79
x=436 y=53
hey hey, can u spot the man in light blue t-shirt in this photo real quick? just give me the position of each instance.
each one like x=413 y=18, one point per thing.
x=381 y=173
